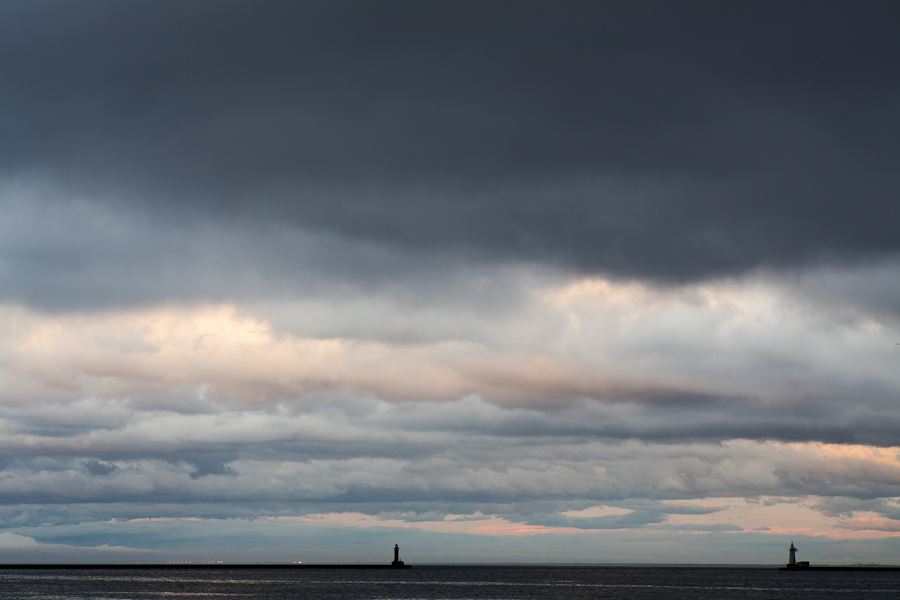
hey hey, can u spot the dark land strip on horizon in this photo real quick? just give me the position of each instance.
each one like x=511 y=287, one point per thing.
x=147 y=565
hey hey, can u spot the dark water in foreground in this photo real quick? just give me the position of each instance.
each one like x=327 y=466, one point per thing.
x=450 y=582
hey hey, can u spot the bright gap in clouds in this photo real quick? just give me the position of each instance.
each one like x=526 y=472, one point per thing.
x=734 y=408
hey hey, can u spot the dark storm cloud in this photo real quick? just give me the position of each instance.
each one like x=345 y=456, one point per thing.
x=657 y=140
x=95 y=467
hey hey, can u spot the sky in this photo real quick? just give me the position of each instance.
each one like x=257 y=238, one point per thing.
x=600 y=282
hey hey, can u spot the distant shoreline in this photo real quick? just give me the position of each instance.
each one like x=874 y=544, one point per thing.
x=842 y=568
x=148 y=565
x=290 y=566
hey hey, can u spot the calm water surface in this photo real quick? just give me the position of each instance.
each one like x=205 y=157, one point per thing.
x=450 y=582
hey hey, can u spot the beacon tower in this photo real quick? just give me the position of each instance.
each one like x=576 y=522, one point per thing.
x=399 y=563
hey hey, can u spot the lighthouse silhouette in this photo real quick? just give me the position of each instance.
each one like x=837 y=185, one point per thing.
x=397 y=562
x=793 y=563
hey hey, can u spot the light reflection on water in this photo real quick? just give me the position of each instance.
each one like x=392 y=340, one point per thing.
x=450 y=583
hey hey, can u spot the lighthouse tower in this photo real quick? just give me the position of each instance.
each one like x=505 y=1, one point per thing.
x=792 y=561
x=397 y=562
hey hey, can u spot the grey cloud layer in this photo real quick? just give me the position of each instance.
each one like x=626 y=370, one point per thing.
x=638 y=139
x=366 y=456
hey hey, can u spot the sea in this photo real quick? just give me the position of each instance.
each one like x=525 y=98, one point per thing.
x=434 y=582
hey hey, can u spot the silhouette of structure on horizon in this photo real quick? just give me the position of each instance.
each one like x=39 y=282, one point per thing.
x=397 y=562
x=803 y=565
x=792 y=559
